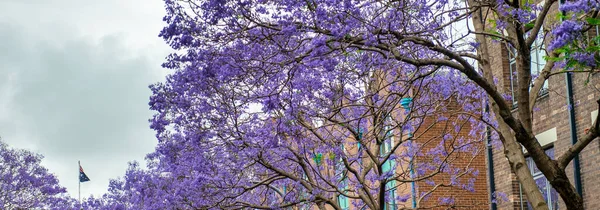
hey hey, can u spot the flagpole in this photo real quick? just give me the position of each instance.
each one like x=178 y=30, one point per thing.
x=79 y=180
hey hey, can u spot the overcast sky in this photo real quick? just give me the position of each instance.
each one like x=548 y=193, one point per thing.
x=74 y=78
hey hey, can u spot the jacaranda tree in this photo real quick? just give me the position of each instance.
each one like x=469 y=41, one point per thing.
x=138 y=189
x=25 y=184
x=275 y=104
x=264 y=118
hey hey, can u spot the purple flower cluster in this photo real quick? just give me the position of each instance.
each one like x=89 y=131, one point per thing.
x=277 y=103
x=585 y=58
x=579 y=6
x=25 y=184
x=567 y=32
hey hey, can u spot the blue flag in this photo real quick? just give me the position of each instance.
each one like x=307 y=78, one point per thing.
x=82 y=176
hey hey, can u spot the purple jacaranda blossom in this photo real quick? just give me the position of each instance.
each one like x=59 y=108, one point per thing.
x=446 y=200
x=585 y=58
x=565 y=33
x=265 y=101
x=25 y=184
x=579 y=6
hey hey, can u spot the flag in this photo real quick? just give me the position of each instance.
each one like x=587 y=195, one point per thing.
x=82 y=176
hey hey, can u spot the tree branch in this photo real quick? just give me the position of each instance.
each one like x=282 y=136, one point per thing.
x=539 y=22
x=538 y=83
x=574 y=150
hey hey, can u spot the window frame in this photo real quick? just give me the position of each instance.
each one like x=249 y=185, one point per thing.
x=384 y=149
x=343 y=201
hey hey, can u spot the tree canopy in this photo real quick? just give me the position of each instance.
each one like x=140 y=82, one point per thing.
x=273 y=104
x=25 y=184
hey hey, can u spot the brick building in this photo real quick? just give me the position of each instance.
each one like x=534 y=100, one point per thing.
x=551 y=124
x=429 y=136
x=464 y=199
x=466 y=191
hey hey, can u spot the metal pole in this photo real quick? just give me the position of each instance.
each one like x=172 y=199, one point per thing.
x=79 y=181
x=490 y=160
x=573 y=127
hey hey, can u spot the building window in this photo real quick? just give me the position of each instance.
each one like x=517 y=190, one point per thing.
x=538 y=61
x=538 y=52
x=512 y=60
x=388 y=135
x=343 y=200
x=390 y=187
x=358 y=147
x=543 y=184
x=340 y=170
x=386 y=148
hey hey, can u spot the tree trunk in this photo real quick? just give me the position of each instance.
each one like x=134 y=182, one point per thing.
x=512 y=150
x=567 y=192
x=514 y=154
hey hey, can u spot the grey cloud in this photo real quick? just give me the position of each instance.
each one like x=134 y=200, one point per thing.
x=79 y=99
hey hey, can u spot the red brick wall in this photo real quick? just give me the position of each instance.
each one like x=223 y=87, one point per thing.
x=478 y=199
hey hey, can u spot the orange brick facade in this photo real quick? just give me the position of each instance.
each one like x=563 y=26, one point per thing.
x=478 y=198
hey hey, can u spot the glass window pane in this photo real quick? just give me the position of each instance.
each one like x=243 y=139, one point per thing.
x=542 y=184
x=343 y=202
x=550 y=153
x=554 y=199
x=534 y=61
x=513 y=80
x=391 y=194
x=532 y=167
